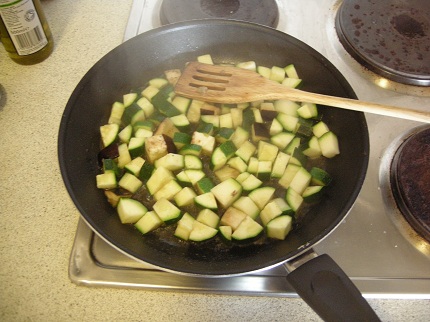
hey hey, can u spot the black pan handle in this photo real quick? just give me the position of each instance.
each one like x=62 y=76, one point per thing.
x=322 y=284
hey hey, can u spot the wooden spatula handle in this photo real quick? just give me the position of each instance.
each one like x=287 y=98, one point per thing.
x=360 y=106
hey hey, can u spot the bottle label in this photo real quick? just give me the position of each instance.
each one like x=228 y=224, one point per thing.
x=23 y=24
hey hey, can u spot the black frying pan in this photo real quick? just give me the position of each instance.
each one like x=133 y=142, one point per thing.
x=130 y=66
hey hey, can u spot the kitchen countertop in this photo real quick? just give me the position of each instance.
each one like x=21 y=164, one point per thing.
x=39 y=220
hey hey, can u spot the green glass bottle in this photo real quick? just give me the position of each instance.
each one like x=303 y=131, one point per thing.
x=24 y=31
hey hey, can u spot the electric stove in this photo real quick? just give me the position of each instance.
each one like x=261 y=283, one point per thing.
x=376 y=245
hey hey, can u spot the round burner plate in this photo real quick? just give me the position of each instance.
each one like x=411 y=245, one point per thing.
x=391 y=38
x=256 y=11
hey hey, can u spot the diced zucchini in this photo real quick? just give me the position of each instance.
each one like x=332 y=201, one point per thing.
x=298 y=158
x=111 y=165
x=312 y=148
x=159 y=178
x=149 y=92
x=136 y=147
x=295 y=143
x=275 y=127
x=319 y=129
x=134 y=166
x=282 y=139
x=146 y=171
x=182 y=104
x=313 y=194
x=267 y=151
x=205 y=59
x=291 y=71
x=264 y=170
x=264 y=71
x=232 y=217
x=239 y=136
x=206 y=141
x=194 y=175
x=261 y=196
x=227 y=192
x=201 y=232
x=193 y=113
x=224 y=134
x=301 y=180
x=308 y=110
x=247 y=229
x=166 y=210
x=130 y=182
x=221 y=154
x=226 y=120
x=249 y=65
x=288 y=122
x=246 y=151
x=329 y=145
x=226 y=172
x=192 y=162
x=287 y=177
x=237 y=117
x=291 y=82
x=181 y=139
x=280 y=164
x=225 y=231
x=246 y=205
x=287 y=107
x=125 y=134
x=158 y=82
x=146 y=106
x=274 y=208
x=171 y=161
x=106 y=180
x=204 y=185
x=181 y=122
x=129 y=98
x=116 y=113
x=130 y=210
x=166 y=128
x=277 y=74
x=108 y=133
x=320 y=177
x=168 y=191
x=206 y=200
x=252 y=165
x=251 y=183
x=208 y=217
x=191 y=149
x=149 y=222
x=132 y=114
x=185 y=197
x=279 y=227
x=237 y=163
x=294 y=199
x=184 y=227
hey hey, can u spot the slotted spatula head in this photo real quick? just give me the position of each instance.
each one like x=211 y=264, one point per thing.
x=225 y=84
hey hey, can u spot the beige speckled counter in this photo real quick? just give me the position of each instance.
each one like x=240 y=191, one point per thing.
x=38 y=219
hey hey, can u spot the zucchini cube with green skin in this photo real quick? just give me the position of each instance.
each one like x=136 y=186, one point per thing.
x=246 y=151
x=227 y=192
x=116 y=113
x=238 y=164
x=166 y=210
x=191 y=149
x=264 y=170
x=267 y=151
x=192 y=162
x=313 y=194
x=168 y=191
x=181 y=122
x=246 y=205
x=301 y=180
x=288 y=122
x=312 y=148
x=261 y=196
x=320 y=177
x=185 y=197
x=232 y=217
x=130 y=210
x=282 y=139
x=320 y=129
x=279 y=227
x=204 y=185
x=225 y=232
x=208 y=217
x=274 y=208
x=106 y=180
x=252 y=165
x=286 y=107
x=201 y=232
x=108 y=133
x=329 y=145
x=185 y=226
x=308 y=110
x=294 y=199
x=149 y=222
x=247 y=229
x=239 y=136
x=146 y=106
x=280 y=164
x=136 y=147
x=226 y=120
x=224 y=134
x=237 y=117
x=149 y=92
x=251 y=183
x=222 y=154
x=181 y=103
x=134 y=166
x=158 y=179
x=206 y=200
x=287 y=177
x=181 y=139
x=171 y=161
x=207 y=142
x=125 y=134
x=130 y=182
x=226 y=172
x=155 y=148
x=275 y=127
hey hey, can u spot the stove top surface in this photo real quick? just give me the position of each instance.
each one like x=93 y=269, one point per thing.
x=374 y=245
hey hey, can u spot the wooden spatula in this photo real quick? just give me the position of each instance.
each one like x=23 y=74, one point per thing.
x=225 y=84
